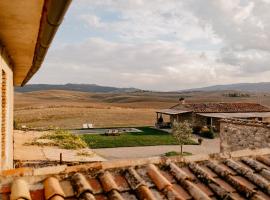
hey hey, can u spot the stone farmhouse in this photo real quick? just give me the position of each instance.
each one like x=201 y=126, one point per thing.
x=209 y=114
x=27 y=28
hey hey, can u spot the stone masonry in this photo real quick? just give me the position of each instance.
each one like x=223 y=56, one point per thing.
x=238 y=134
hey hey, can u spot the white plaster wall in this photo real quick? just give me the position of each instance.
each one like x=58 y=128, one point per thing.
x=8 y=162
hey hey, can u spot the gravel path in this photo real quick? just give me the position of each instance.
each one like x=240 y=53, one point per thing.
x=208 y=146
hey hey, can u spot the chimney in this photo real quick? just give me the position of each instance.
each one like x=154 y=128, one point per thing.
x=182 y=100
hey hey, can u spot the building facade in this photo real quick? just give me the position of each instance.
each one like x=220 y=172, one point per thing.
x=26 y=31
x=6 y=101
x=209 y=114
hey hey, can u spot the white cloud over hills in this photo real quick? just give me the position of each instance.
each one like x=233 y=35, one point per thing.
x=161 y=45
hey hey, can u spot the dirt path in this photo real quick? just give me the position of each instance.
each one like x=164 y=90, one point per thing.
x=208 y=146
x=23 y=152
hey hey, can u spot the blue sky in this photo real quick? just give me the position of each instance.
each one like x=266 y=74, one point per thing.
x=160 y=44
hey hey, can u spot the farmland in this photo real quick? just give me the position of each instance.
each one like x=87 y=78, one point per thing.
x=70 y=109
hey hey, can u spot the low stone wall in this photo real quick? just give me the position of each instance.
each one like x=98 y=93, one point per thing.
x=242 y=134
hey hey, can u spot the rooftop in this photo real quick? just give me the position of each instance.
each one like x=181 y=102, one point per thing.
x=221 y=107
x=239 y=175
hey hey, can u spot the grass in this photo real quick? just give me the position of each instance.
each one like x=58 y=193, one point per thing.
x=174 y=153
x=148 y=137
x=61 y=138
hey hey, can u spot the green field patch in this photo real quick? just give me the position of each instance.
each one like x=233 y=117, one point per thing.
x=148 y=137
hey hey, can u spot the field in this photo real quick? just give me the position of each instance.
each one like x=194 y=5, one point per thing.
x=71 y=109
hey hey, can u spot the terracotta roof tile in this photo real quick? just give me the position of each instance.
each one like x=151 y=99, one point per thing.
x=221 y=107
x=20 y=190
x=108 y=182
x=52 y=189
x=81 y=186
x=264 y=160
x=222 y=177
x=160 y=181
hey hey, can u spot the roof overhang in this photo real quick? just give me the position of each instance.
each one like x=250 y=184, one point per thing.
x=27 y=29
x=172 y=111
x=236 y=115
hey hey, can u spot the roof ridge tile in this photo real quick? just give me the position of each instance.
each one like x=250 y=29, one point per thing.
x=81 y=186
x=52 y=188
x=108 y=182
x=162 y=183
x=20 y=190
x=187 y=182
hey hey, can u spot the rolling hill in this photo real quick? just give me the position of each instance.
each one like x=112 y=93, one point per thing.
x=74 y=87
x=93 y=88
x=250 y=87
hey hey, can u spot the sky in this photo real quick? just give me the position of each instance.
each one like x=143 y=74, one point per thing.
x=160 y=44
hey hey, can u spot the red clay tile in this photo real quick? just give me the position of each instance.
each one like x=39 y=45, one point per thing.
x=145 y=193
x=80 y=184
x=100 y=197
x=221 y=107
x=121 y=183
x=209 y=171
x=115 y=195
x=237 y=196
x=5 y=189
x=108 y=182
x=37 y=194
x=168 y=176
x=225 y=167
x=205 y=189
x=182 y=192
x=5 y=196
x=52 y=188
x=67 y=188
x=265 y=196
x=189 y=173
x=245 y=182
x=96 y=186
x=224 y=185
x=171 y=193
x=160 y=181
x=157 y=194
x=263 y=159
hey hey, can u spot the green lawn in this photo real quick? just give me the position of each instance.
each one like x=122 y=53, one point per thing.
x=149 y=137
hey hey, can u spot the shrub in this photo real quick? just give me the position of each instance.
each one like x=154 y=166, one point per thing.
x=207 y=133
x=65 y=139
x=200 y=141
x=174 y=153
x=197 y=129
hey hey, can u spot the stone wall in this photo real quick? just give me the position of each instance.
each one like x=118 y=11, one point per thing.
x=242 y=134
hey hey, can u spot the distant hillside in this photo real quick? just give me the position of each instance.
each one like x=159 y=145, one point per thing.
x=250 y=87
x=74 y=87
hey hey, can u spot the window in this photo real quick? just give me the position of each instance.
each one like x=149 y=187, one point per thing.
x=209 y=121
x=3 y=114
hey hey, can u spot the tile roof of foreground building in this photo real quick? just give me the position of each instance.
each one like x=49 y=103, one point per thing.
x=221 y=107
x=238 y=175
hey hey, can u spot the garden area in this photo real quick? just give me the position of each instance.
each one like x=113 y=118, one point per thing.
x=147 y=137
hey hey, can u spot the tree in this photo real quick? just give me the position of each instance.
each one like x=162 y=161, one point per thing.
x=182 y=132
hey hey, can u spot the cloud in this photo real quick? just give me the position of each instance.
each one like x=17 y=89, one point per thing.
x=243 y=26
x=162 y=45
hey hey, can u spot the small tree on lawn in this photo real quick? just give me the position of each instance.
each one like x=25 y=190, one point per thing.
x=182 y=132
